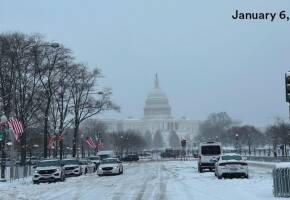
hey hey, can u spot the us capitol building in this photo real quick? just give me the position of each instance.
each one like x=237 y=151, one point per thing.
x=157 y=117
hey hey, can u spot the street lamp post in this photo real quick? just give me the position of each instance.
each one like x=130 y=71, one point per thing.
x=237 y=142
x=3 y=127
x=45 y=138
x=82 y=141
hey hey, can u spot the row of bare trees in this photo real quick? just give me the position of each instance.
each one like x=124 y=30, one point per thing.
x=43 y=86
x=220 y=127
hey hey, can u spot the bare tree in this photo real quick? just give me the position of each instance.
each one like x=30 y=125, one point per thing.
x=84 y=103
x=214 y=127
x=279 y=133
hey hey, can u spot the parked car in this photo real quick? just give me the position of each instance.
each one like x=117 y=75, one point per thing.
x=231 y=165
x=72 y=167
x=110 y=166
x=96 y=160
x=170 y=153
x=48 y=171
x=87 y=166
x=208 y=153
x=132 y=157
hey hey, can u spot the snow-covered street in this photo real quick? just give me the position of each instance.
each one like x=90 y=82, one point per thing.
x=148 y=180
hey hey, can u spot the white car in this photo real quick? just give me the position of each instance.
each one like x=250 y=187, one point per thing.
x=87 y=166
x=231 y=165
x=72 y=167
x=110 y=166
x=48 y=171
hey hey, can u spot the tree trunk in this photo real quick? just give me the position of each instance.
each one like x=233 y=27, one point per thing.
x=23 y=148
x=75 y=142
x=45 y=131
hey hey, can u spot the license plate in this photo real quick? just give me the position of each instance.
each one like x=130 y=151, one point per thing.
x=45 y=174
x=233 y=169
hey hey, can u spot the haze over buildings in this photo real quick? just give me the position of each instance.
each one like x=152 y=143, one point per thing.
x=157 y=117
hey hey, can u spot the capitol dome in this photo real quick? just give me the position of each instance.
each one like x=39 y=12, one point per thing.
x=157 y=105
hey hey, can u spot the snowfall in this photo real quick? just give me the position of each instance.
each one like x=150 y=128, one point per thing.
x=148 y=180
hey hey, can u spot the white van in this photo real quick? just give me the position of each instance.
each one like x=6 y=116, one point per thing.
x=208 y=153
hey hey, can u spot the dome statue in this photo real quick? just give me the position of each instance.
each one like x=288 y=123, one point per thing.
x=157 y=105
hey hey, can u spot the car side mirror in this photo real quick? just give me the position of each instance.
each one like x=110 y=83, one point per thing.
x=119 y=161
x=245 y=158
x=34 y=166
x=62 y=164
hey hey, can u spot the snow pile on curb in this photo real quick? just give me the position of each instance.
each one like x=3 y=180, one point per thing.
x=282 y=165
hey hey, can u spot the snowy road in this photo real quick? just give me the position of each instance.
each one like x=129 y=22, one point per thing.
x=148 y=180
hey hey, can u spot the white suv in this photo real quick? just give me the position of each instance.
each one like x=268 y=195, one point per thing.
x=48 y=171
x=208 y=154
x=72 y=167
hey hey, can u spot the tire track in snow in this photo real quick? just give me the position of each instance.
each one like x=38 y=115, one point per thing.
x=121 y=192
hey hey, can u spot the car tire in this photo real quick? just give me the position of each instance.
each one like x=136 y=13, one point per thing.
x=246 y=176
x=200 y=169
x=86 y=170
x=100 y=175
x=219 y=176
x=63 y=178
x=35 y=182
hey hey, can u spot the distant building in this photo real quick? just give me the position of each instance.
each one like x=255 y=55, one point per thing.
x=157 y=117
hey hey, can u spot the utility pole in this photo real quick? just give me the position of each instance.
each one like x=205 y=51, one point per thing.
x=3 y=128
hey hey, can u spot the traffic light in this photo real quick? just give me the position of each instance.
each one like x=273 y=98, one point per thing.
x=287 y=86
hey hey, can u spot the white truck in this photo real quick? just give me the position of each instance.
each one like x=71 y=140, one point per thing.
x=208 y=153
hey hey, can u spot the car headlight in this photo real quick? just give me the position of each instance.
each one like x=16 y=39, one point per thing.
x=116 y=167
x=36 y=171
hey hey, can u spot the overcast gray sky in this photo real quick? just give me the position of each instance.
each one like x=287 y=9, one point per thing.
x=206 y=62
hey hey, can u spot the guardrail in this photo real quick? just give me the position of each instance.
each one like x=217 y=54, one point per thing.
x=281 y=181
x=269 y=158
x=16 y=172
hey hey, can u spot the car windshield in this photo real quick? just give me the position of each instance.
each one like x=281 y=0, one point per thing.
x=71 y=162
x=210 y=150
x=94 y=158
x=104 y=156
x=83 y=162
x=48 y=163
x=109 y=161
x=232 y=157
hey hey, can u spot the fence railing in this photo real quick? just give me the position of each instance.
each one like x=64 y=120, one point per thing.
x=16 y=172
x=269 y=158
x=281 y=181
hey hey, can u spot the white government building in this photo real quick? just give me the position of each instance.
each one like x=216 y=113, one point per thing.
x=157 y=117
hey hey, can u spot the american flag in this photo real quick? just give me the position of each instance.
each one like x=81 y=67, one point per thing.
x=16 y=127
x=91 y=143
x=51 y=142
